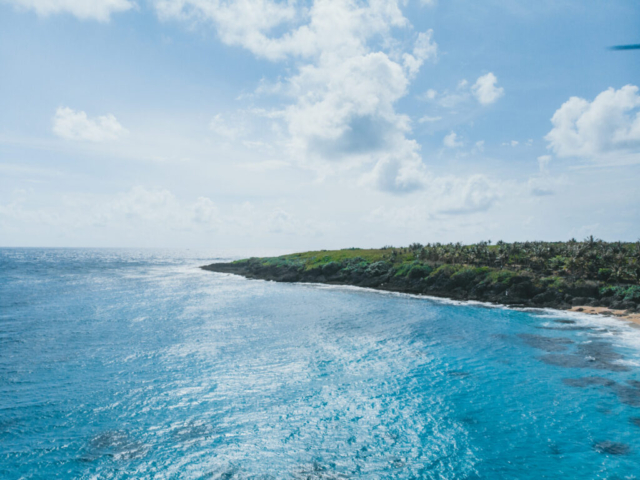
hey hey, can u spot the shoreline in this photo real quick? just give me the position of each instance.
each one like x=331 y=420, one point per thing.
x=607 y=312
x=281 y=274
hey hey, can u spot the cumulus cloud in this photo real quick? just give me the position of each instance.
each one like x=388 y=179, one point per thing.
x=446 y=196
x=346 y=81
x=607 y=129
x=76 y=125
x=100 y=10
x=485 y=89
x=474 y=194
x=451 y=140
x=402 y=172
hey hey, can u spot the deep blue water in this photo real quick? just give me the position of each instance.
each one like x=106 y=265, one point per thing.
x=136 y=364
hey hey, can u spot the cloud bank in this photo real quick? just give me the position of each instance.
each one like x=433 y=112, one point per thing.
x=349 y=72
x=158 y=209
x=100 y=10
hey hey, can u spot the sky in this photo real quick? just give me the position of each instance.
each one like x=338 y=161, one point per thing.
x=294 y=125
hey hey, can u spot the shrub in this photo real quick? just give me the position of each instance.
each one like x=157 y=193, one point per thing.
x=502 y=276
x=446 y=270
x=403 y=270
x=604 y=274
x=378 y=268
x=419 y=271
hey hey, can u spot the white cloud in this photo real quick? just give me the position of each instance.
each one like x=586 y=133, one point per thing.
x=343 y=105
x=606 y=129
x=75 y=125
x=543 y=162
x=100 y=10
x=424 y=49
x=452 y=100
x=512 y=143
x=205 y=212
x=544 y=184
x=451 y=140
x=400 y=172
x=474 y=194
x=430 y=94
x=244 y=23
x=485 y=89
x=220 y=127
x=541 y=186
x=144 y=205
x=445 y=196
x=428 y=119
x=341 y=27
x=346 y=83
x=144 y=209
x=449 y=99
x=137 y=208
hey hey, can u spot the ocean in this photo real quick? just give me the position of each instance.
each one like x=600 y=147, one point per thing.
x=136 y=364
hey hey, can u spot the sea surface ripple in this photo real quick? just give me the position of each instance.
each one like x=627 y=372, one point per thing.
x=136 y=364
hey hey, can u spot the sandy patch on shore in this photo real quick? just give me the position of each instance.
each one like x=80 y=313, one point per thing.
x=632 y=317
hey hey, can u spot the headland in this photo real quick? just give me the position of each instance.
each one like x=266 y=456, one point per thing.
x=591 y=276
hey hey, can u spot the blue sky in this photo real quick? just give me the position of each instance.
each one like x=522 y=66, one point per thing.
x=255 y=125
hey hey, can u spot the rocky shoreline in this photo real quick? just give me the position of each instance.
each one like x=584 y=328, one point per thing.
x=515 y=290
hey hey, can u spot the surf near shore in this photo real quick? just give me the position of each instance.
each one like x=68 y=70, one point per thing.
x=408 y=271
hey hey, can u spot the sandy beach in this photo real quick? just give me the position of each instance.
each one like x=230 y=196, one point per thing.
x=632 y=317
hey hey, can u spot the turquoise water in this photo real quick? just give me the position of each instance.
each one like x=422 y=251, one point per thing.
x=136 y=364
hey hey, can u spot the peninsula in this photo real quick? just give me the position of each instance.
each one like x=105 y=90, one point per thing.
x=592 y=276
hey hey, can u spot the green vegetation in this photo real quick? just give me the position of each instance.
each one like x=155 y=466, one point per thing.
x=549 y=264
x=535 y=274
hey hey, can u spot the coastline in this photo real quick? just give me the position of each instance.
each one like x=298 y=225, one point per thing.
x=607 y=312
x=519 y=294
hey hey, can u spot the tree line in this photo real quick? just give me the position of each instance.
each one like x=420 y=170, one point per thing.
x=591 y=258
